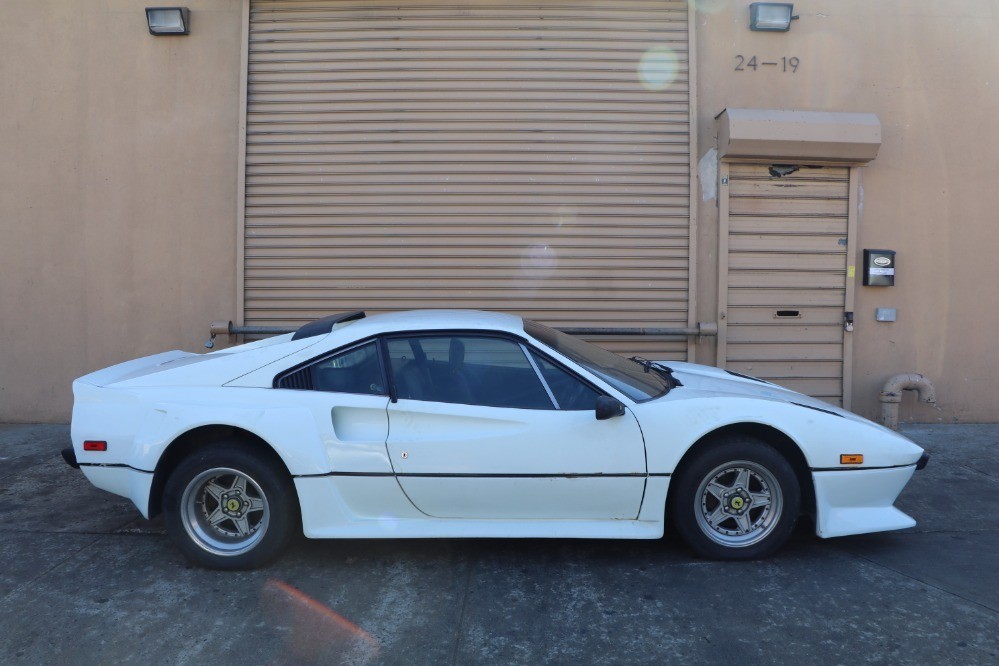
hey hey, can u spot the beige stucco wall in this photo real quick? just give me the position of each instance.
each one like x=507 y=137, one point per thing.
x=118 y=183
x=930 y=71
x=117 y=190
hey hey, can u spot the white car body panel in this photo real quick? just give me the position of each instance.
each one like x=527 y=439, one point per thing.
x=346 y=503
x=861 y=501
x=686 y=416
x=470 y=470
x=490 y=462
x=124 y=481
x=177 y=368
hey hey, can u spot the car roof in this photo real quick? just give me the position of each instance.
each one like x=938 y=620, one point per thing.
x=419 y=320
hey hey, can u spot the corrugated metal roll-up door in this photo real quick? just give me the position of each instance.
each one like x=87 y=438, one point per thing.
x=787 y=271
x=530 y=157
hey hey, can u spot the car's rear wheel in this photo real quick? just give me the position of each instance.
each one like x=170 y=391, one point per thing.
x=737 y=499
x=228 y=508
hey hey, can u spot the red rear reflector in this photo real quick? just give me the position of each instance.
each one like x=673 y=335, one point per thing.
x=851 y=459
x=95 y=446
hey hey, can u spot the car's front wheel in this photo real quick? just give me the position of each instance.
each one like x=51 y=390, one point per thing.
x=737 y=499
x=228 y=508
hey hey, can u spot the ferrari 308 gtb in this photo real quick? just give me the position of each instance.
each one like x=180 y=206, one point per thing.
x=454 y=423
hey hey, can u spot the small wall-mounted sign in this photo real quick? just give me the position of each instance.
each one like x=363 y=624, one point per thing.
x=879 y=268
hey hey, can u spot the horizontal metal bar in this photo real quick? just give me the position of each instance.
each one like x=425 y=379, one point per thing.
x=228 y=328
x=261 y=330
x=631 y=331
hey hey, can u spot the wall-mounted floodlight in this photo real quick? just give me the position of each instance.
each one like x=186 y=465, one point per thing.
x=168 y=20
x=771 y=16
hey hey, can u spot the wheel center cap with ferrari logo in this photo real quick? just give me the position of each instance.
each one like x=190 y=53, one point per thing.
x=737 y=502
x=233 y=505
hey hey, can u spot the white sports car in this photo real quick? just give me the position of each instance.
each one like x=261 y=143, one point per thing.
x=472 y=424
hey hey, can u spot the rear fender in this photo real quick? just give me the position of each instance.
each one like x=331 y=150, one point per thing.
x=290 y=431
x=140 y=424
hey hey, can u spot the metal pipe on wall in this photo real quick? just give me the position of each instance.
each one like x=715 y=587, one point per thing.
x=891 y=395
x=223 y=327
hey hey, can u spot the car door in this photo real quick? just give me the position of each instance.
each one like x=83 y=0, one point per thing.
x=475 y=432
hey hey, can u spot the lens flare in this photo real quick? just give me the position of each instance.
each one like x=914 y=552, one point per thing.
x=658 y=68
x=318 y=633
x=538 y=261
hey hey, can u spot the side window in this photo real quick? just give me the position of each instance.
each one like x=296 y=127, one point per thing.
x=356 y=370
x=570 y=392
x=469 y=370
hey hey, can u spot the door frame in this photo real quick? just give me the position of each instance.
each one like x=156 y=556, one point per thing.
x=853 y=221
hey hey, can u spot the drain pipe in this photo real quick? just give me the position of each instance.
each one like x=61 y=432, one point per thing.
x=891 y=395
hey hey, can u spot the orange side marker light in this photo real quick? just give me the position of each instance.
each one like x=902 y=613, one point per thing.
x=851 y=459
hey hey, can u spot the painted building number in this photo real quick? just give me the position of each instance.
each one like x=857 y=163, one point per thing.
x=785 y=64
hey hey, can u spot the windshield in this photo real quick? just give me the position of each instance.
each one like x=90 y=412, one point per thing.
x=626 y=376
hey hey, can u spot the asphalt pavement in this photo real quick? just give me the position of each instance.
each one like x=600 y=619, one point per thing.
x=85 y=580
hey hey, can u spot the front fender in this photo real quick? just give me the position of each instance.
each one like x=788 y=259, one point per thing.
x=671 y=427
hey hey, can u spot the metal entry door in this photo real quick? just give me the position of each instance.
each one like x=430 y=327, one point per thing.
x=786 y=287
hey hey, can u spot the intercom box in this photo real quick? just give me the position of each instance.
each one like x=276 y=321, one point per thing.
x=879 y=268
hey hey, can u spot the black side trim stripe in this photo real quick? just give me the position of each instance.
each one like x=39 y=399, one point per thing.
x=518 y=476
x=858 y=469
x=445 y=475
x=315 y=476
x=818 y=409
x=484 y=476
x=87 y=464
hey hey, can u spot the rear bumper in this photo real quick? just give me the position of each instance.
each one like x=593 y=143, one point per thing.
x=859 y=501
x=120 y=480
x=69 y=455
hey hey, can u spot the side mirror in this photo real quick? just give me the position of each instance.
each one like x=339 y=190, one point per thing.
x=608 y=407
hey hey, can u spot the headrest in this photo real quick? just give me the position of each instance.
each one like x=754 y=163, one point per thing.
x=456 y=354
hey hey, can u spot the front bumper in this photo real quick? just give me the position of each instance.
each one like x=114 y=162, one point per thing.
x=923 y=459
x=859 y=501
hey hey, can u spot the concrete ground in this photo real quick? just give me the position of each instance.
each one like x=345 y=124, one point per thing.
x=83 y=579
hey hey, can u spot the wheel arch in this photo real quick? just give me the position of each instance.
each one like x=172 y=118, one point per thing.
x=768 y=434
x=189 y=441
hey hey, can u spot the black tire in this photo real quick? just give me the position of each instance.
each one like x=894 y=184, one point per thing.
x=220 y=522
x=736 y=499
